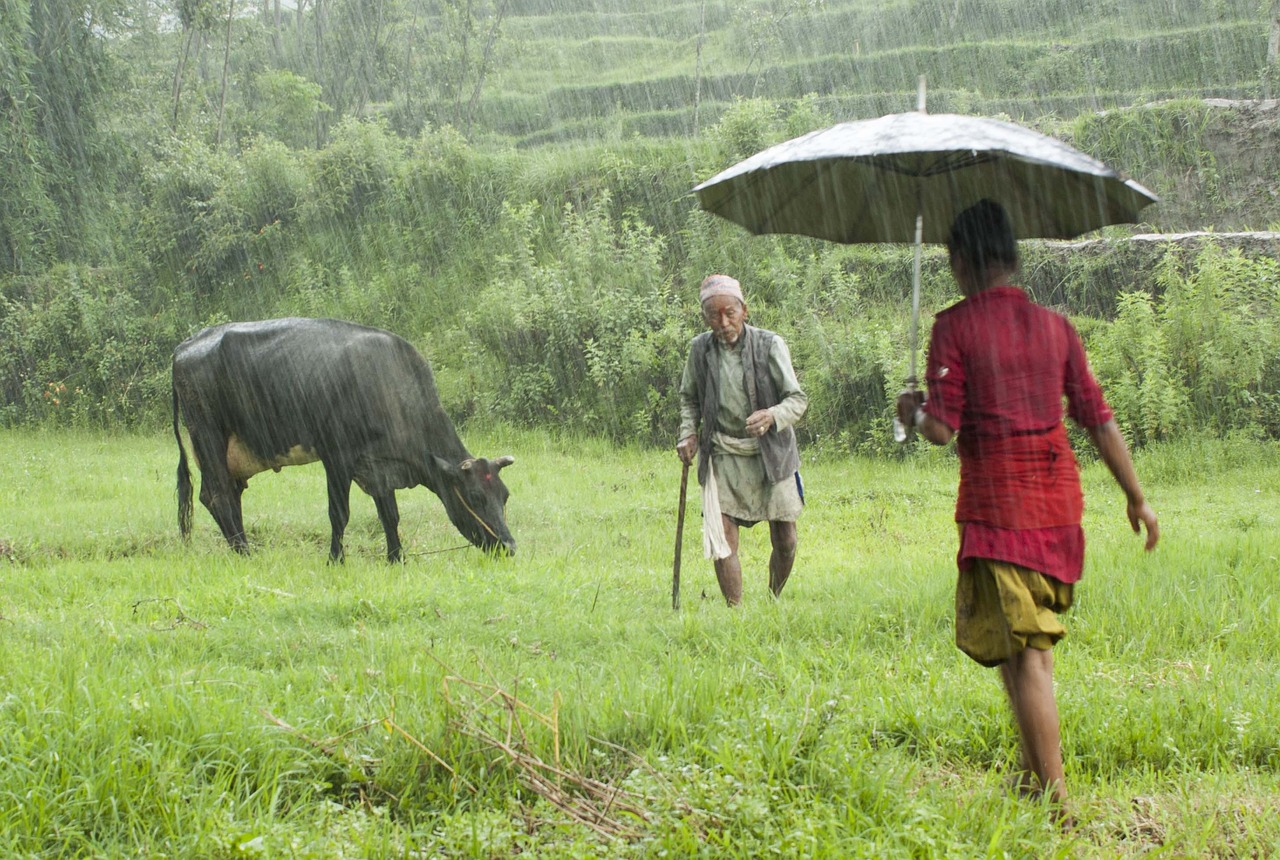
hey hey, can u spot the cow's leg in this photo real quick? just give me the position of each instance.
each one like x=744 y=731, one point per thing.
x=389 y=513
x=339 y=480
x=220 y=493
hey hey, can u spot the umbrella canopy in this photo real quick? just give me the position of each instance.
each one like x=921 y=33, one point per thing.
x=868 y=180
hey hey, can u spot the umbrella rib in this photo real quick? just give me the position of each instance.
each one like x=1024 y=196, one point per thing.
x=947 y=162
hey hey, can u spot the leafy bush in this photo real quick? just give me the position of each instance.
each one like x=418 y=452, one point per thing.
x=588 y=337
x=1205 y=355
x=285 y=107
x=1133 y=362
x=186 y=226
x=352 y=174
x=76 y=348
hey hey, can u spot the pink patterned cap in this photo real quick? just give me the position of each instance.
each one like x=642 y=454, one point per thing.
x=720 y=285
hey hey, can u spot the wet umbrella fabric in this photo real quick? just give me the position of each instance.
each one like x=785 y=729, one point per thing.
x=905 y=177
x=867 y=180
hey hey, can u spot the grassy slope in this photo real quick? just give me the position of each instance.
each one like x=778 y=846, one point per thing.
x=1024 y=58
x=139 y=674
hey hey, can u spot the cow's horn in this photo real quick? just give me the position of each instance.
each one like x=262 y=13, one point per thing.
x=505 y=460
x=467 y=464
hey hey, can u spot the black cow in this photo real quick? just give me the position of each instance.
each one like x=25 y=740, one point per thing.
x=262 y=395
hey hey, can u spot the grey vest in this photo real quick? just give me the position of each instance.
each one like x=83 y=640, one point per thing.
x=777 y=449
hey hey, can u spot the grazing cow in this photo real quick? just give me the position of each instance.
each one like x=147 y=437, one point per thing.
x=262 y=395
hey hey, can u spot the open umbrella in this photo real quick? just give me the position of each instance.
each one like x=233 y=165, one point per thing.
x=869 y=180
x=904 y=178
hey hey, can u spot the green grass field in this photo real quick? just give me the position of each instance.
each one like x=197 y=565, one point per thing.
x=164 y=700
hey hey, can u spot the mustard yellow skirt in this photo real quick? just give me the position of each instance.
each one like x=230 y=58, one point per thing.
x=1003 y=608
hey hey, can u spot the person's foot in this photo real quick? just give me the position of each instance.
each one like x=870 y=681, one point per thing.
x=1062 y=815
x=1023 y=783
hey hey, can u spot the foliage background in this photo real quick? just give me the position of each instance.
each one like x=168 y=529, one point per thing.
x=507 y=185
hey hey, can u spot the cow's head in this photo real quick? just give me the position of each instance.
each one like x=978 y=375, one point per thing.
x=476 y=501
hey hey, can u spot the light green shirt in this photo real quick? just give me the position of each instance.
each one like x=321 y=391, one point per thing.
x=745 y=492
x=733 y=409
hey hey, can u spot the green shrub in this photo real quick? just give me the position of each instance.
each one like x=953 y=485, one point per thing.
x=1205 y=355
x=353 y=173
x=587 y=338
x=77 y=348
x=1132 y=360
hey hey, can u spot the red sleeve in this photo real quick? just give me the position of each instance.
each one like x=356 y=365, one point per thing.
x=1085 y=403
x=944 y=375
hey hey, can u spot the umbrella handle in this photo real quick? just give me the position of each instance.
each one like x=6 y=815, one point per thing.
x=901 y=432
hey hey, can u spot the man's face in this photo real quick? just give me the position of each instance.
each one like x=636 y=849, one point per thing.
x=725 y=316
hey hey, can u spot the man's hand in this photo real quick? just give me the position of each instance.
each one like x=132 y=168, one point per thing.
x=909 y=400
x=686 y=448
x=759 y=422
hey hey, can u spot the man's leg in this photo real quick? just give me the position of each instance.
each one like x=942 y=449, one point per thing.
x=1028 y=679
x=1024 y=781
x=729 y=569
x=784 y=539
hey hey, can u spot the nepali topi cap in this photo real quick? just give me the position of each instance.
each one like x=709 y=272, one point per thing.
x=720 y=285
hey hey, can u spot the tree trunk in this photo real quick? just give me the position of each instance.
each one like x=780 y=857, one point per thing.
x=368 y=65
x=463 y=64
x=1273 y=50
x=483 y=69
x=697 y=64
x=177 y=74
x=409 y=70
x=318 y=14
x=277 y=41
x=226 y=63
x=299 y=31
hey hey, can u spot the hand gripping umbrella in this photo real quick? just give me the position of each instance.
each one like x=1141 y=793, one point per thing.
x=905 y=177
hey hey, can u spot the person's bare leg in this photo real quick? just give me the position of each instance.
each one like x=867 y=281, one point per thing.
x=729 y=569
x=1023 y=780
x=783 y=537
x=1028 y=677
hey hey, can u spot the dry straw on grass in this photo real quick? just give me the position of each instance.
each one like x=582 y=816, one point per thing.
x=504 y=727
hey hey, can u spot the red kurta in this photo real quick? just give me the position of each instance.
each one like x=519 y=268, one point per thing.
x=999 y=367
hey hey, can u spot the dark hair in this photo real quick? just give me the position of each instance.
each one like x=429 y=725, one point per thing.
x=982 y=236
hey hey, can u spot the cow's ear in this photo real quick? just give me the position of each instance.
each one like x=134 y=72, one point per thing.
x=445 y=466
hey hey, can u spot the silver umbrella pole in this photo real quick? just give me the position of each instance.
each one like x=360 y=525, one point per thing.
x=915 y=301
x=902 y=433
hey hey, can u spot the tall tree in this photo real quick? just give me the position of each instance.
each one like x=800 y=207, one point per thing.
x=195 y=17
x=697 y=64
x=466 y=50
x=1272 y=71
x=53 y=79
x=226 y=64
x=277 y=41
x=359 y=36
x=27 y=213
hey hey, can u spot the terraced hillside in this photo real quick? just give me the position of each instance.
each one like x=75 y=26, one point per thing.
x=589 y=68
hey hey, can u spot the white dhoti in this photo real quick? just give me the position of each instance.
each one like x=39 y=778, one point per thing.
x=738 y=487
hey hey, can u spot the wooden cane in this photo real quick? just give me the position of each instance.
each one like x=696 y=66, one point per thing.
x=675 y=569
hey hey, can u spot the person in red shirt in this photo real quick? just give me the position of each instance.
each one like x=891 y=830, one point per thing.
x=999 y=368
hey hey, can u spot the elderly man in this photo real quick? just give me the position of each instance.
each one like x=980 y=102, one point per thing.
x=739 y=399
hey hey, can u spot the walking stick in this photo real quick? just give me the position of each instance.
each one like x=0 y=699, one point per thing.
x=675 y=569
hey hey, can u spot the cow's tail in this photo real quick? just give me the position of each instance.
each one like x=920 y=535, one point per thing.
x=184 y=476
